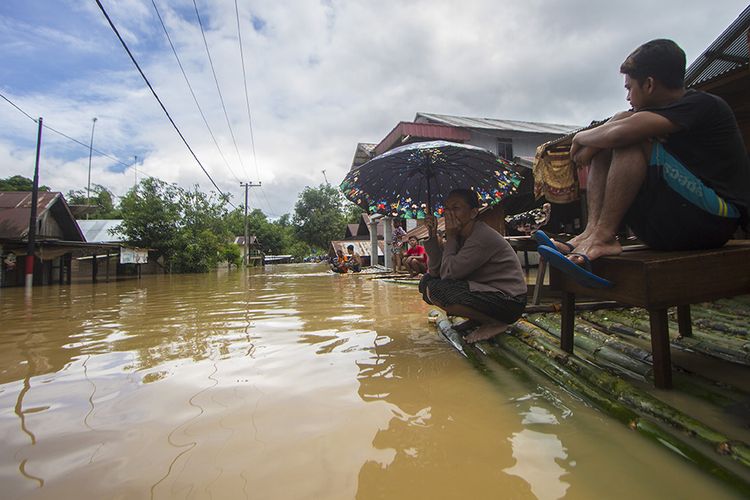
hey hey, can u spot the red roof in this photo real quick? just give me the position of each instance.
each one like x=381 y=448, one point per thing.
x=406 y=132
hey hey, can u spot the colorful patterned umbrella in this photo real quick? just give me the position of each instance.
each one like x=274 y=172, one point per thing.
x=405 y=181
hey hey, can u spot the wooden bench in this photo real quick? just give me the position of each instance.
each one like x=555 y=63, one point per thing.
x=656 y=281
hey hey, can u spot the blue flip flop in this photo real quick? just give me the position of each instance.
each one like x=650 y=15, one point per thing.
x=581 y=274
x=542 y=238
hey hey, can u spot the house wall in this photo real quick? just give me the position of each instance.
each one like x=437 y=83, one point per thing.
x=49 y=228
x=524 y=143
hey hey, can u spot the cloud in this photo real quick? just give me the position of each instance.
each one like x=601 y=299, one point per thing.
x=320 y=78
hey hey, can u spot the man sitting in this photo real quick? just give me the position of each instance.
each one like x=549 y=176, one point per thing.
x=416 y=258
x=354 y=261
x=674 y=168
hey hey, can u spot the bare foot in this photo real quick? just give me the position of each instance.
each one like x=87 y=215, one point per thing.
x=594 y=247
x=465 y=326
x=486 y=331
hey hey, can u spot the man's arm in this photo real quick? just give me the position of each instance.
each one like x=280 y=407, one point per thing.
x=633 y=129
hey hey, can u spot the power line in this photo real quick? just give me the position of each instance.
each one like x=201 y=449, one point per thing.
x=218 y=88
x=100 y=153
x=132 y=58
x=247 y=98
x=184 y=74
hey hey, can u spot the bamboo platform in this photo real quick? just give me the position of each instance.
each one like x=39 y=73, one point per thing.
x=704 y=419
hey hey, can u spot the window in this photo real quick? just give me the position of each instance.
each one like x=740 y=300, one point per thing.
x=505 y=148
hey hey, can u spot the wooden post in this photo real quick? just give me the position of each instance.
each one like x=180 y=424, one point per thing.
x=94 y=268
x=568 y=321
x=684 y=321
x=106 y=265
x=660 y=348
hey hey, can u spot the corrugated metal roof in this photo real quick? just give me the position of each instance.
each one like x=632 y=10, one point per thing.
x=726 y=54
x=496 y=124
x=363 y=153
x=362 y=247
x=98 y=230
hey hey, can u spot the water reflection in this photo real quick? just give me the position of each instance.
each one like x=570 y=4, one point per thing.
x=290 y=383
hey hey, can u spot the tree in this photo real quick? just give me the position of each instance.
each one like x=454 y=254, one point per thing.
x=101 y=197
x=151 y=216
x=19 y=183
x=352 y=213
x=318 y=216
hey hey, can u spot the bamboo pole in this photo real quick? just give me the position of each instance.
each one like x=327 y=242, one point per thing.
x=629 y=395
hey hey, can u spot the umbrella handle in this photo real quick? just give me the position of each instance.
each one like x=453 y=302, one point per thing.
x=429 y=197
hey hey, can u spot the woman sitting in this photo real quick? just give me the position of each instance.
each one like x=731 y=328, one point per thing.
x=475 y=273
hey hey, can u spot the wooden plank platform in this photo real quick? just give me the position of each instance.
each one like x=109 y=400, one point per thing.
x=656 y=281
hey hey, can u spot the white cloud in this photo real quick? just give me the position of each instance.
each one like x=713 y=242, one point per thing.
x=322 y=77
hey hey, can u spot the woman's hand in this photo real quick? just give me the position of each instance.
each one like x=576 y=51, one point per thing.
x=452 y=225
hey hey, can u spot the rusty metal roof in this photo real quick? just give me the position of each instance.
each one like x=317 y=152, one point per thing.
x=15 y=211
x=727 y=54
x=496 y=124
x=406 y=132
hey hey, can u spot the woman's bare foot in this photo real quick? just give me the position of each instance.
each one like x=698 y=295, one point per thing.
x=486 y=331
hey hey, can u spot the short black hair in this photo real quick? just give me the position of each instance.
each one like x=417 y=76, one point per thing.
x=469 y=196
x=350 y=247
x=661 y=59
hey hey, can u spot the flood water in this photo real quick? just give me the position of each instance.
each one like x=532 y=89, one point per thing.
x=288 y=383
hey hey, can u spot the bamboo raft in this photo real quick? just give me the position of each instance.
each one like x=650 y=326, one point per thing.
x=613 y=363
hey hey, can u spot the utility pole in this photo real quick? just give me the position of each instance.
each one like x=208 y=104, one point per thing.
x=247 y=185
x=135 y=172
x=91 y=149
x=324 y=175
x=32 y=219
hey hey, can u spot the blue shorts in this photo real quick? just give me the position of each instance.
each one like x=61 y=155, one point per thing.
x=674 y=210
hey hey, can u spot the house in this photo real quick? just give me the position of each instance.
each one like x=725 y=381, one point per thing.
x=507 y=138
x=58 y=236
x=724 y=69
x=254 y=250
x=118 y=258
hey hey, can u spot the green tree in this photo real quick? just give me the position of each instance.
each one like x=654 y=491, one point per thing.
x=151 y=216
x=318 y=216
x=352 y=213
x=101 y=197
x=19 y=183
x=189 y=229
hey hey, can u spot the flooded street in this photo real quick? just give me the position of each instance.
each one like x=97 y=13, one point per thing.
x=288 y=383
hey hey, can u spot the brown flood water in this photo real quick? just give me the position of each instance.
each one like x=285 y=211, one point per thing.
x=288 y=383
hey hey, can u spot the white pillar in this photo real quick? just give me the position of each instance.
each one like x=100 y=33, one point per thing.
x=388 y=234
x=373 y=242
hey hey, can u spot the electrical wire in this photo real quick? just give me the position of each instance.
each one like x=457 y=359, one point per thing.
x=190 y=87
x=218 y=88
x=247 y=97
x=87 y=146
x=143 y=75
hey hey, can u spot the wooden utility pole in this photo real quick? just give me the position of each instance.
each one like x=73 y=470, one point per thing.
x=32 y=218
x=247 y=185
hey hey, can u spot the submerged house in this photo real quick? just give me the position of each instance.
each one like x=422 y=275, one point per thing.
x=58 y=236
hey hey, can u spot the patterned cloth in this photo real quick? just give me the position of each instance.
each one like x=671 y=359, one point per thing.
x=555 y=174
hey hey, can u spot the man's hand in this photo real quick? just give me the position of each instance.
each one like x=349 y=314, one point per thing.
x=582 y=155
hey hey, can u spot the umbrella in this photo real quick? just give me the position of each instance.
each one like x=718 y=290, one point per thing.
x=414 y=179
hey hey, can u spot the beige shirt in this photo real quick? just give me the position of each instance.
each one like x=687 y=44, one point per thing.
x=486 y=260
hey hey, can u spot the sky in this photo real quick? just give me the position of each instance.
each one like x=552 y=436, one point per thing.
x=320 y=77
